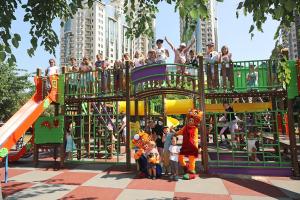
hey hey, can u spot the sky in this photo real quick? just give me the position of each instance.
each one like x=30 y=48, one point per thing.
x=232 y=32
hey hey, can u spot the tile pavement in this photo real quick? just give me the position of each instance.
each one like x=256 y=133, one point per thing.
x=93 y=182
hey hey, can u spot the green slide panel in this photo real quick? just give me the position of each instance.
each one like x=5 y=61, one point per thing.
x=292 y=88
x=49 y=130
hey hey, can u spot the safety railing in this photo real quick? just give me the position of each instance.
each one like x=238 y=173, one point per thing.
x=165 y=76
x=242 y=76
x=250 y=139
x=96 y=83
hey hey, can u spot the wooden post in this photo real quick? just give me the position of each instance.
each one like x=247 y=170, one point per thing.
x=231 y=75
x=88 y=146
x=164 y=109
x=204 y=153
x=145 y=113
x=224 y=72
x=39 y=72
x=128 y=150
x=209 y=76
x=136 y=110
x=292 y=137
x=35 y=155
x=216 y=82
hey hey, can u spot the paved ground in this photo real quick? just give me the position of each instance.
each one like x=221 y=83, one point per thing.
x=91 y=182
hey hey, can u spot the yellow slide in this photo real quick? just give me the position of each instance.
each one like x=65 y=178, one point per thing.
x=176 y=107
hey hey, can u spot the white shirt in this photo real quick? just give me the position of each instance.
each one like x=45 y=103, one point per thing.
x=161 y=54
x=212 y=57
x=174 y=151
x=52 y=70
x=138 y=62
x=251 y=145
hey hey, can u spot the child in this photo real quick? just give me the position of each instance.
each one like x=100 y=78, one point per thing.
x=86 y=78
x=174 y=151
x=161 y=52
x=151 y=58
x=167 y=140
x=70 y=142
x=102 y=66
x=225 y=57
x=50 y=71
x=251 y=146
x=231 y=120
x=152 y=159
x=138 y=59
x=73 y=77
x=252 y=77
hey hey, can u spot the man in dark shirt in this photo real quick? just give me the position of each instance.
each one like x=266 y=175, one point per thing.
x=158 y=131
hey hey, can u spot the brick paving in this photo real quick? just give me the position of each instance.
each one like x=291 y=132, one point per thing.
x=103 y=181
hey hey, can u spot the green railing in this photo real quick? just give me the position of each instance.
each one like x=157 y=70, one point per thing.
x=238 y=76
x=110 y=82
x=94 y=136
x=254 y=142
x=226 y=77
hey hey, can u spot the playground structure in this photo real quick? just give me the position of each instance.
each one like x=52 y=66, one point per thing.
x=94 y=101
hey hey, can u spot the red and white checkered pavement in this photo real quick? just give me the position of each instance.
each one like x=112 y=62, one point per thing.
x=88 y=181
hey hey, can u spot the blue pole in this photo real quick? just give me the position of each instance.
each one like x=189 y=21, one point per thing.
x=6 y=169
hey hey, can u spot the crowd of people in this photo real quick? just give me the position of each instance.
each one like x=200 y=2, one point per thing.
x=162 y=150
x=183 y=55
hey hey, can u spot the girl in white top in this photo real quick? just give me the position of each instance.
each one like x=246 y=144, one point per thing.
x=174 y=151
x=224 y=57
x=138 y=59
x=161 y=53
x=52 y=69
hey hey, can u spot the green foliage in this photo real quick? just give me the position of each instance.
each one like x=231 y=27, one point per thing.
x=283 y=11
x=284 y=73
x=15 y=89
x=276 y=52
x=143 y=12
x=40 y=14
x=140 y=16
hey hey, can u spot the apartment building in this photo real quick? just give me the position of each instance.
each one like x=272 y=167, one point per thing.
x=206 y=30
x=99 y=29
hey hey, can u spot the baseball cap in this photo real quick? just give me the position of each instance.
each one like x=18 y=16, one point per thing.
x=210 y=44
x=183 y=44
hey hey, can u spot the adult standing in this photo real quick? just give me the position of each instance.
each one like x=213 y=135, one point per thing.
x=158 y=132
x=86 y=79
x=211 y=58
x=225 y=57
x=180 y=56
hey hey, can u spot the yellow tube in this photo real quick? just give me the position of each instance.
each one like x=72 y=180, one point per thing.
x=176 y=107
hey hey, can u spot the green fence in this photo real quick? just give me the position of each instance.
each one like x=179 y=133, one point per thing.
x=255 y=140
x=96 y=133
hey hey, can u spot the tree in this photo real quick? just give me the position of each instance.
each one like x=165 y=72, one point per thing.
x=139 y=15
x=40 y=14
x=15 y=89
